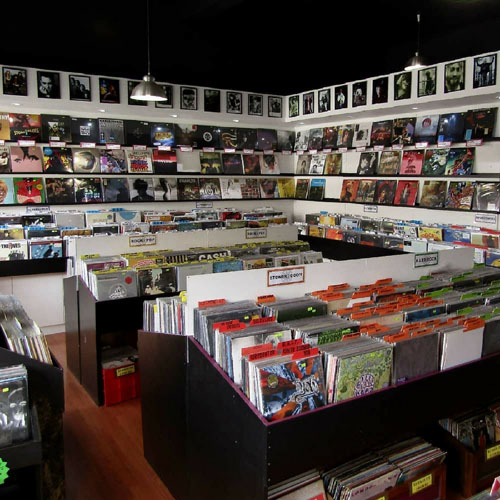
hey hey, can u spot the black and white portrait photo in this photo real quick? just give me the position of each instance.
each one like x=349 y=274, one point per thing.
x=454 y=76
x=274 y=107
x=169 y=94
x=211 y=101
x=234 y=102
x=255 y=104
x=79 y=88
x=485 y=71
x=324 y=100
x=48 y=85
x=189 y=98
x=427 y=81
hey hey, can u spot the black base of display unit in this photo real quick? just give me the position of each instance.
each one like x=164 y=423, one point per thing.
x=342 y=250
x=231 y=451
x=32 y=266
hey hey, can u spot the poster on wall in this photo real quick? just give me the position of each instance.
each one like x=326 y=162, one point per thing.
x=234 y=102
x=402 y=86
x=48 y=85
x=131 y=85
x=324 y=100
x=427 y=81
x=359 y=94
x=274 y=107
x=485 y=71
x=15 y=81
x=308 y=101
x=380 y=90
x=211 y=101
x=109 y=91
x=189 y=98
x=169 y=94
x=341 y=97
x=454 y=76
x=293 y=106
x=79 y=88
x=255 y=105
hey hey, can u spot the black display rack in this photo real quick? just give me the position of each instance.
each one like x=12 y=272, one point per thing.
x=206 y=440
x=32 y=266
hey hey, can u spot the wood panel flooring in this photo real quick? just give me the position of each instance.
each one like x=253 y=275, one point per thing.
x=103 y=445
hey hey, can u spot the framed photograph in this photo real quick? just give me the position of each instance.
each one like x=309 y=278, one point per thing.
x=15 y=81
x=48 y=84
x=308 y=102
x=234 y=102
x=324 y=101
x=274 y=107
x=454 y=76
x=131 y=85
x=189 y=98
x=402 y=86
x=358 y=94
x=211 y=101
x=341 y=97
x=380 y=90
x=485 y=71
x=169 y=93
x=109 y=91
x=293 y=106
x=79 y=88
x=427 y=81
x=255 y=104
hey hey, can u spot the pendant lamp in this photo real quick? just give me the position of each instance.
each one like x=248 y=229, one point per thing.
x=417 y=61
x=148 y=89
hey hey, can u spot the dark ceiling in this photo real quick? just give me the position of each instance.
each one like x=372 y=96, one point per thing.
x=268 y=46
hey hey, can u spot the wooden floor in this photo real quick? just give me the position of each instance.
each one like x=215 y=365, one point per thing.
x=103 y=446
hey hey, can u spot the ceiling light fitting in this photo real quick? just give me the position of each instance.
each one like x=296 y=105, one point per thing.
x=417 y=61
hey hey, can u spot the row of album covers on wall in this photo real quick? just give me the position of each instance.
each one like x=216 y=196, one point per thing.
x=462 y=195
x=15 y=82
x=475 y=124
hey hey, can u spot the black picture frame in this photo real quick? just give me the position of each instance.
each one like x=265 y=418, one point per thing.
x=402 y=85
x=427 y=84
x=293 y=106
x=234 y=103
x=341 y=97
x=256 y=104
x=189 y=98
x=130 y=87
x=109 y=90
x=454 y=76
x=14 y=81
x=169 y=94
x=274 y=107
x=48 y=85
x=380 y=90
x=211 y=100
x=324 y=100
x=485 y=71
x=76 y=92
x=359 y=94
x=308 y=103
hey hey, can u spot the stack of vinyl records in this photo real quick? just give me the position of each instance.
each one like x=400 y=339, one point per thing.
x=307 y=486
x=165 y=315
x=14 y=407
x=22 y=333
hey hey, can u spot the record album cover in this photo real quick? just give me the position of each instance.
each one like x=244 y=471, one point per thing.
x=435 y=161
x=302 y=140
x=303 y=165
x=302 y=189
x=113 y=161
x=267 y=139
x=451 y=127
x=315 y=138
x=164 y=162
x=210 y=189
x=231 y=163
x=247 y=138
x=88 y=190
x=330 y=137
x=349 y=190
x=368 y=162
x=362 y=135
x=115 y=190
x=86 y=161
x=389 y=163
x=57 y=160
x=230 y=188
x=28 y=190
x=229 y=137
x=316 y=189
x=487 y=196
x=207 y=137
x=480 y=123
x=25 y=127
x=26 y=159
x=403 y=130
x=345 y=136
x=317 y=164
x=460 y=195
x=270 y=165
x=141 y=189
x=210 y=163
x=406 y=193
x=412 y=162
x=4 y=126
x=426 y=128
x=60 y=190
x=433 y=194
x=460 y=161
x=56 y=128
x=381 y=133
x=269 y=188
x=252 y=164
x=333 y=164
x=84 y=130
x=165 y=189
x=286 y=188
x=6 y=191
x=385 y=191
x=111 y=131
x=188 y=189
x=185 y=135
x=139 y=162
x=250 y=189
x=286 y=140
x=137 y=132
x=162 y=134
x=366 y=191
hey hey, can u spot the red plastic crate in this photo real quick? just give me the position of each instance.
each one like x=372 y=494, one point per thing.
x=120 y=384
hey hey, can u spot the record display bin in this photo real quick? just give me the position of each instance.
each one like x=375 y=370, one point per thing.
x=231 y=451
x=469 y=471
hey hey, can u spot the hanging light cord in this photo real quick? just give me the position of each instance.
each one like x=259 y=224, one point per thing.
x=147 y=22
x=418 y=33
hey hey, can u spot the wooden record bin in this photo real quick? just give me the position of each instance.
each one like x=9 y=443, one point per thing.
x=206 y=440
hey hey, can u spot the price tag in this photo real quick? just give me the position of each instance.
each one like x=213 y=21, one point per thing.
x=25 y=143
x=300 y=152
x=57 y=144
x=87 y=144
x=370 y=209
x=248 y=151
x=139 y=147
x=342 y=150
x=492 y=452
x=486 y=218
x=474 y=142
x=444 y=144
x=229 y=150
x=2 y=142
x=209 y=150
x=268 y=152
x=420 y=145
x=421 y=484
x=113 y=146
x=186 y=149
x=360 y=149
x=327 y=150
x=164 y=148
x=204 y=204
x=38 y=210
x=313 y=151
x=397 y=147
x=286 y=152
x=378 y=147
